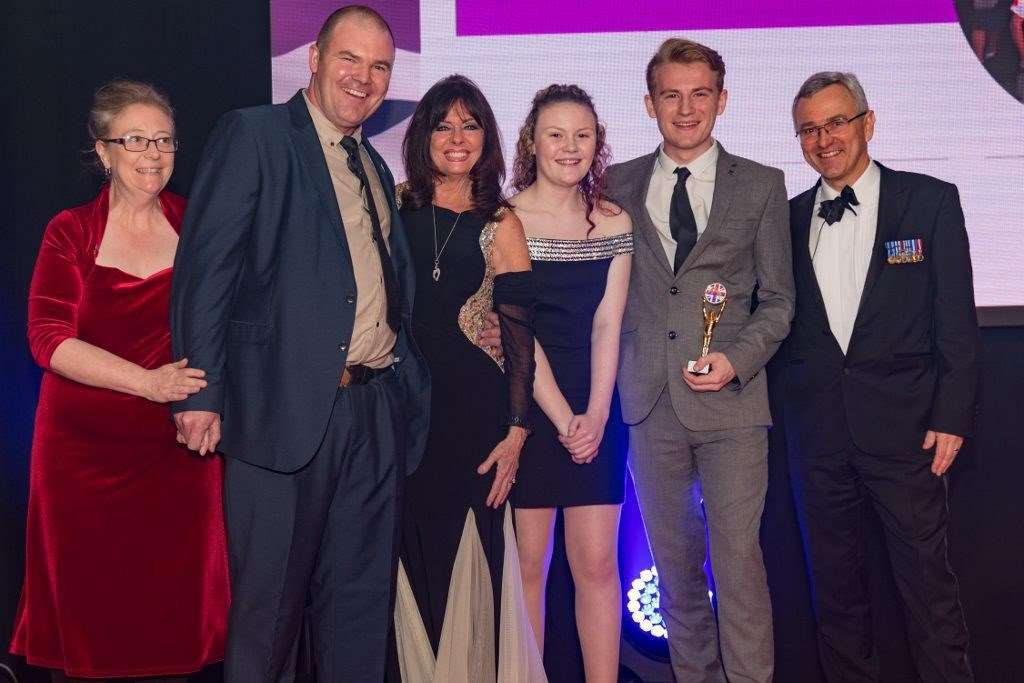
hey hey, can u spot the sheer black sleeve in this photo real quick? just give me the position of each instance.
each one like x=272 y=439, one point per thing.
x=513 y=302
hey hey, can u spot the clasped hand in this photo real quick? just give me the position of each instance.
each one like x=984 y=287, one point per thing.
x=583 y=437
x=199 y=430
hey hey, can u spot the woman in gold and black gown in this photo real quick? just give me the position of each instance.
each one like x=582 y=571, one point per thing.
x=460 y=614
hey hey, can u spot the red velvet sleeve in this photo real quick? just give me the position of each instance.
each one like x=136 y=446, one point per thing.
x=56 y=288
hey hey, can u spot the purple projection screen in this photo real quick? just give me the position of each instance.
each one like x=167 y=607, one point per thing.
x=532 y=17
x=940 y=109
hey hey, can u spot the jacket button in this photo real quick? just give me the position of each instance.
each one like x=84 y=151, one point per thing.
x=674 y=290
x=350 y=299
x=343 y=346
x=671 y=334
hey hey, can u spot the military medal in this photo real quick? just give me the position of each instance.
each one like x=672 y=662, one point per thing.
x=712 y=306
x=904 y=251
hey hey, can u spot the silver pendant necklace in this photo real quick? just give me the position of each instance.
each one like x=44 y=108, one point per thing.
x=437 y=252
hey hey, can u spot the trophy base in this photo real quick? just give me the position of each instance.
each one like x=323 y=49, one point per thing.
x=691 y=364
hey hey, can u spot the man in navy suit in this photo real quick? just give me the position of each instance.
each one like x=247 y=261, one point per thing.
x=879 y=382
x=293 y=289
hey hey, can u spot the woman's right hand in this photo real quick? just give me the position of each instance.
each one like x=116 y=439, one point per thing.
x=583 y=437
x=172 y=382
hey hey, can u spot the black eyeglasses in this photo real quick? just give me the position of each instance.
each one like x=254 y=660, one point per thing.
x=833 y=127
x=140 y=143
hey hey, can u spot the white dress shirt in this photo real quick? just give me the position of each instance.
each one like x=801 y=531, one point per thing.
x=841 y=252
x=700 y=188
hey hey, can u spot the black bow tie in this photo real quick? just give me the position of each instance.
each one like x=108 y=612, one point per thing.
x=832 y=209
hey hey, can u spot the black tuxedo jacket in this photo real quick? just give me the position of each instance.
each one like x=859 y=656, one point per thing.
x=911 y=362
x=263 y=297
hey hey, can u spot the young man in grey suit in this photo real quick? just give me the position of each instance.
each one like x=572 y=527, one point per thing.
x=704 y=218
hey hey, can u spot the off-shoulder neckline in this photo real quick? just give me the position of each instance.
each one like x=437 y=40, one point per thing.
x=585 y=240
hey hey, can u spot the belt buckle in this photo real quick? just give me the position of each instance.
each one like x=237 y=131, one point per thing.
x=352 y=374
x=359 y=374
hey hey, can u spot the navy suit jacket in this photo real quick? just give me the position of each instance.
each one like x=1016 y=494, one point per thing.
x=911 y=362
x=263 y=297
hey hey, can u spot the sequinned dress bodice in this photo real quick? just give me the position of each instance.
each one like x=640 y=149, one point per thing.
x=571 y=276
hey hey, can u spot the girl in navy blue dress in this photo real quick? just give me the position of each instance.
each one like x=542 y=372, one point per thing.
x=580 y=246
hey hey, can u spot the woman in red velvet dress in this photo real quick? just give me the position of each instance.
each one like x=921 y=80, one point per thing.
x=126 y=566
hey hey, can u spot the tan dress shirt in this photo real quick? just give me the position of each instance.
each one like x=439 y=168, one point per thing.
x=372 y=339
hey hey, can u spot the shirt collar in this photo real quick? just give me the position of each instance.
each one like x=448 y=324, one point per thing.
x=325 y=130
x=702 y=167
x=865 y=187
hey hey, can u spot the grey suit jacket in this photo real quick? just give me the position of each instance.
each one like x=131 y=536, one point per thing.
x=746 y=247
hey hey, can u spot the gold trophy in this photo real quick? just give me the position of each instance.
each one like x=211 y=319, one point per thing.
x=712 y=305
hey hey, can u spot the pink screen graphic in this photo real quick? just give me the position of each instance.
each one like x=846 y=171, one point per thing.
x=533 y=17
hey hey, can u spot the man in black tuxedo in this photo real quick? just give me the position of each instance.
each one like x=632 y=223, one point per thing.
x=293 y=288
x=879 y=382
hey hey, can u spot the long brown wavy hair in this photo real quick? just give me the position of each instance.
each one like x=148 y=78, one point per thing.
x=524 y=168
x=488 y=173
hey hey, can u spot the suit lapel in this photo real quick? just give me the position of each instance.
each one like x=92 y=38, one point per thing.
x=307 y=146
x=637 y=196
x=892 y=203
x=802 y=266
x=727 y=182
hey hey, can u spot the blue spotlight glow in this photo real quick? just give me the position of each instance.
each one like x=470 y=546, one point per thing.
x=643 y=601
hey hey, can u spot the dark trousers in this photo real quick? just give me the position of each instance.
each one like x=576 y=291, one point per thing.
x=324 y=534
x=832 y=491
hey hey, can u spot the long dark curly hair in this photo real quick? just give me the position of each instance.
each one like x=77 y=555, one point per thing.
x=524 y=169
x=487 y=175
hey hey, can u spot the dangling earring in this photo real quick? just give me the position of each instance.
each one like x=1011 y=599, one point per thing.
x=106 y=172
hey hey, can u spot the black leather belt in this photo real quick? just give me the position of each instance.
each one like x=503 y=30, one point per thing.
x=355 y=375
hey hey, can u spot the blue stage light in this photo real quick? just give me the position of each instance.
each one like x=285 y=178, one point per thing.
x=643 y=601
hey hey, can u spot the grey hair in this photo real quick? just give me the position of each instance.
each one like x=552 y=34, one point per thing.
x=823 y=79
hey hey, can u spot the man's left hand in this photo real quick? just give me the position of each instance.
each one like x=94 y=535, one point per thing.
x=946 y=446
x=198 y=430
x=721 y=373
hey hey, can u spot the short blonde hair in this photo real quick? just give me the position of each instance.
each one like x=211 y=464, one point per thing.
x=683 y=51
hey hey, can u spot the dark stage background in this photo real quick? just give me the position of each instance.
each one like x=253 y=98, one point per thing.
x=215 y=56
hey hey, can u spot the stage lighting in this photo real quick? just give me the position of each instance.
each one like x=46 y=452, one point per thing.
x=643 y=601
